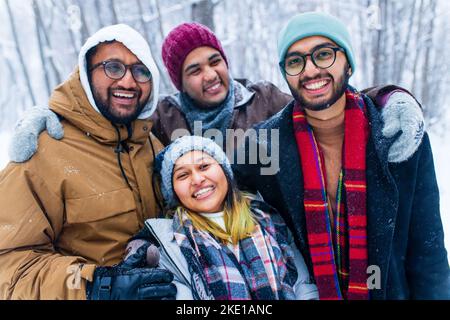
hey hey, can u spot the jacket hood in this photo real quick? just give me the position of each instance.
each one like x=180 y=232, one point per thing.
x=134 y=41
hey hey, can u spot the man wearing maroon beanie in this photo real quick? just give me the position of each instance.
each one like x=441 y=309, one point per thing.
x=208 y=97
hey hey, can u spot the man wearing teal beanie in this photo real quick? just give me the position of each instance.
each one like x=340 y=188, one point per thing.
x=366 y=228
x=315 y=24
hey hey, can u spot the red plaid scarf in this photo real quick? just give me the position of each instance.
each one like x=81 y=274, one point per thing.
x=342 y=276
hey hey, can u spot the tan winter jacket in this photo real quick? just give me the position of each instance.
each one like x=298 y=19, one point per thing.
x=69 y=207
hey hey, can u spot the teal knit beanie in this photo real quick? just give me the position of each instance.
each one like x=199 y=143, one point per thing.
x=315 y=24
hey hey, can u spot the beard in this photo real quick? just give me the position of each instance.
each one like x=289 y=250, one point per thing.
x=340 y=85
x=108 y=111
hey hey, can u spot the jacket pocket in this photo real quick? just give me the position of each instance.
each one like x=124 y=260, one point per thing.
x=100 y=206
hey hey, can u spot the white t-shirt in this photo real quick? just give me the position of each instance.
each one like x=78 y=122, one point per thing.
x=219 y=219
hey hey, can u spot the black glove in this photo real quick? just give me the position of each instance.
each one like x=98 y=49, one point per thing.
x=142 y=253
x=116 y=283
x=130 y=280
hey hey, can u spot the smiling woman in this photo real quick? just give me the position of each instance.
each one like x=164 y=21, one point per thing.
x=219 y=242
x=200 y=182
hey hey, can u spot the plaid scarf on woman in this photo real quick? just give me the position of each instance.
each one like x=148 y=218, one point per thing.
x=265 y=270
x=341 y=276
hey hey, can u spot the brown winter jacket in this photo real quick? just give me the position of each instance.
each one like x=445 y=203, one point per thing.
x=70 y=205
x=254 y=103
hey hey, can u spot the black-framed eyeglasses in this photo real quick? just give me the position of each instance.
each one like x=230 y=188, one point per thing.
x=116 y=70
x=323 y=58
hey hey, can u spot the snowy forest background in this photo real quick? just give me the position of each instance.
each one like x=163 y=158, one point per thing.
x=405 y=42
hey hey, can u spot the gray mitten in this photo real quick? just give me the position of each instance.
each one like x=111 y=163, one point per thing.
x=24 y=141
x=403 y=113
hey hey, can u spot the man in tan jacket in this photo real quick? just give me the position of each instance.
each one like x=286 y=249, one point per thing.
x=68 y=213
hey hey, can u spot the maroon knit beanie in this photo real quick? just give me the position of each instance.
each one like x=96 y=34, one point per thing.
x=181 y=41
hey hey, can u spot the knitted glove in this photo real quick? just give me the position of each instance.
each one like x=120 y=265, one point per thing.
x=26 y=132
x=131 y=280
x=403 y=113
x=118 y=283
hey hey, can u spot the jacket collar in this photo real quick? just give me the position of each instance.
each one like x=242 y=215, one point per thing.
x=242 y=94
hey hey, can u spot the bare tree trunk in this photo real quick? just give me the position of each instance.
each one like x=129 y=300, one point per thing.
x=203 y=12
x=37 y=24
x=439 y=83
x=426 y=65
x=241 y=44
x=160 y=24
x=378 y=54
x=383 y=70
x=113 y=11
x=19 y=52
x=365 y=44
x=40 y=26
x=392 y=43
x=405 y=52
x=99 y=13
x=141 y=20
x=418 y=45
x=151 y=42
x=84 y=28
x=63 y=8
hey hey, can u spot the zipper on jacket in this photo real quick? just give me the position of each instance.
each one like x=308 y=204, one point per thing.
x=167 y=253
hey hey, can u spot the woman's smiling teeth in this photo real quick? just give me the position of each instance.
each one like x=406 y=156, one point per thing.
x=202 y=192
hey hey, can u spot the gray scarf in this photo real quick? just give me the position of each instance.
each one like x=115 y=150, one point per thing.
x=218 y=117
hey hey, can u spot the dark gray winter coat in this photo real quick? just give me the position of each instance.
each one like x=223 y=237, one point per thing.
x=405 y=233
